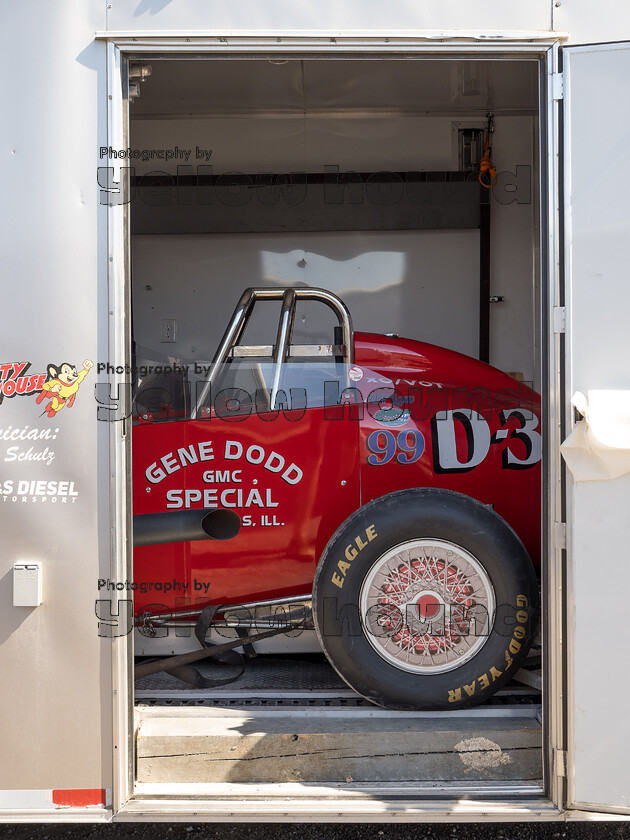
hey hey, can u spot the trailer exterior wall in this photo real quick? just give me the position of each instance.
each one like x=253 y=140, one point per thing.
x=586 y=24
x=284 y=17
x=56 y=260
x=56 y=703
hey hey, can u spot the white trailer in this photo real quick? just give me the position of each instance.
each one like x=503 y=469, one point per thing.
x=391 y=87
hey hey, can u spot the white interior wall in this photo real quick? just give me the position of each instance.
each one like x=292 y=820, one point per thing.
x=514 y=323
x=426 y=281
x=421 y=284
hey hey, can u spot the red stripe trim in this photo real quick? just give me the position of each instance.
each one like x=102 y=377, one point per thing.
x=79 y=797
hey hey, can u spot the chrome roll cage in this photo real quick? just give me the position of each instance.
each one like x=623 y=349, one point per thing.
x=342 y=348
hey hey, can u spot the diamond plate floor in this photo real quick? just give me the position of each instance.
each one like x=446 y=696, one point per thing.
x=264 y=673
x=282 y=681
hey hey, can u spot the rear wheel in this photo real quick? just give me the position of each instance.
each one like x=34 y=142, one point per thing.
x=425 y=599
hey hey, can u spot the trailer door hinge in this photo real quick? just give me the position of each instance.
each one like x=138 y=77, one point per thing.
x=557 y=86
x=559 y=319
x=560 y=763
x=560 y=535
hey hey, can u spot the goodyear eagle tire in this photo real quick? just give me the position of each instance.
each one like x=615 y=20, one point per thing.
x=425 y=599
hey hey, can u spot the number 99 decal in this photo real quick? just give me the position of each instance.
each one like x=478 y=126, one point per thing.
x=383 y=445
x=407 y=446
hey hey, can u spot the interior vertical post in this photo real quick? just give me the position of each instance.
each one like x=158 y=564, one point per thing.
x=484 y=275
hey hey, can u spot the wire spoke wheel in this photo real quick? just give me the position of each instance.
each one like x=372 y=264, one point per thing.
x=425 y=599
x=427 y=606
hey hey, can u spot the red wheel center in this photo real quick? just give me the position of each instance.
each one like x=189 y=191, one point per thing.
x=428 y=606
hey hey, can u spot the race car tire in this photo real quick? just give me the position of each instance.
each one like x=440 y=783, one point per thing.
x=425 y=599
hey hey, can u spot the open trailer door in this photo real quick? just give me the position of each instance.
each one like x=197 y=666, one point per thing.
x=597 y=452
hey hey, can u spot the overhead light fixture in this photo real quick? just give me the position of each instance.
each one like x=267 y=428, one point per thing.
x=278 y=61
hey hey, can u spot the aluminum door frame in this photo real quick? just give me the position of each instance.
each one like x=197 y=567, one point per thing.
x=527 y=45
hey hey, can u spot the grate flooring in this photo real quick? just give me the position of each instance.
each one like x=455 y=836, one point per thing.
x=263 y=673
x=274 y=682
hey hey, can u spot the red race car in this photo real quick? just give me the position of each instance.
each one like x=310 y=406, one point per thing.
x=392 y=484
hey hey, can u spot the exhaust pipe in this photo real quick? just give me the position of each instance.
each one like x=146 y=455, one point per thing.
x=185 y=526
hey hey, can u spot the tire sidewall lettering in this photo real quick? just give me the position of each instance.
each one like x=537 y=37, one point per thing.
x=351 y=552
x=456 y=694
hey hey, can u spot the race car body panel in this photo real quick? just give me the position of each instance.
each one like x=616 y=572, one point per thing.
x=436 y=418
x=403 y=415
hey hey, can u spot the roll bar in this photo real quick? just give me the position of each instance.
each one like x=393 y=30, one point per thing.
x=283 y=348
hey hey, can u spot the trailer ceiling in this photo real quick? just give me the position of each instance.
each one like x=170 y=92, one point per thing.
x=193 y=88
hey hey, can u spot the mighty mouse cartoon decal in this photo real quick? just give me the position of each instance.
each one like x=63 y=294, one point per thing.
x=62 y=385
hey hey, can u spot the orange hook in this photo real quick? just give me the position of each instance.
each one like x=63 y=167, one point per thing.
x=487 y=170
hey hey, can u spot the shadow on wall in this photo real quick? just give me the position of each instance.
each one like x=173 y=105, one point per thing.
x=151 y=7
x=420 y=285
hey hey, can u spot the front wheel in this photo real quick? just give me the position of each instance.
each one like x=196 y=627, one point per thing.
x=425 y=599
